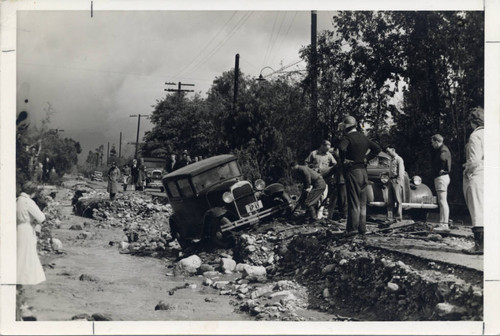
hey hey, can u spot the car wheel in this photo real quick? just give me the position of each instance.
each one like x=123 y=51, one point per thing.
x=281 y=199
x=217 y=237
x=175 y=232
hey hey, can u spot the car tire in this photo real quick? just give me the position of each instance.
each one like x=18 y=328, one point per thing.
x=217 y=237
x=283 y=198
x=175 y=233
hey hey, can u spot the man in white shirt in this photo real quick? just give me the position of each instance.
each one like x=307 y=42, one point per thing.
x=396 y=180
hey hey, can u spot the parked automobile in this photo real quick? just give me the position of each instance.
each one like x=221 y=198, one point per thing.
x=210 y=198
x=417 y=196
x=96 y=176
x=154 y=179
x=154 y=169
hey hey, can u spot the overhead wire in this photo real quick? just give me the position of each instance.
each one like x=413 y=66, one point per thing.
x=270 y=40
x=235 y=29
x=286 y=34
x=276 y=37
x=207 y=45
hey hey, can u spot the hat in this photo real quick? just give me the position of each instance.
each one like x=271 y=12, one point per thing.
x=349 y=121
x=437 y=137
x=326 y=143
x=477 y=116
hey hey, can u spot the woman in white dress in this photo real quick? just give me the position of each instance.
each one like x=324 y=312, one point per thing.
x=29 y=268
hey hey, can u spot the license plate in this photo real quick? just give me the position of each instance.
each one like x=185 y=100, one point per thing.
x=254 y=206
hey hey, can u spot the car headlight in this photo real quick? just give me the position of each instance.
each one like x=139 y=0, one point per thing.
x=384 y=178
x=259 y=184
x=228 y=197
x=417 y=180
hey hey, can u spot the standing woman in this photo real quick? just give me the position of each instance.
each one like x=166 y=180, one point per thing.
x=473 y=179
x=141 y=179
x=113 y=179
x=126 y=176
x=29 y=268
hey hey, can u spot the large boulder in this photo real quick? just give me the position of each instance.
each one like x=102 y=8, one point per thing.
x=227 y=265
x=254 y=273
x=189 y=264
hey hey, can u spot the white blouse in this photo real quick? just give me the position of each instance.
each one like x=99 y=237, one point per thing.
x=27 y=210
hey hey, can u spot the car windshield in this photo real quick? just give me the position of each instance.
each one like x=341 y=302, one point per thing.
x=156 y=175
x=215 y=175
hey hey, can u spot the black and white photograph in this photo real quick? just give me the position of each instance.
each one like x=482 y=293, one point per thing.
x=303 y=166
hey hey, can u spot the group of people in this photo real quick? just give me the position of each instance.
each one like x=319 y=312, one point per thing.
x=340 y=174
x=134 y=175
x=175 y=162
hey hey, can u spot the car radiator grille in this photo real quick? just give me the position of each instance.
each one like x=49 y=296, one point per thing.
x=243 y=195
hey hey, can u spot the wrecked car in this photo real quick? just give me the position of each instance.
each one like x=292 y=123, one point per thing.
x=210 y=198
x=417 y=196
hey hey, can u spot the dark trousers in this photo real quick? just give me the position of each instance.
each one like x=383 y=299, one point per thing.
x=356 y=181
x=338 y=197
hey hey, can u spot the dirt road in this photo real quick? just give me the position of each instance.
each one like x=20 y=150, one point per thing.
x=126 y=287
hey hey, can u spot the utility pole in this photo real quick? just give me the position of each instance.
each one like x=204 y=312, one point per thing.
x=314 y=66
x=236 y=78
x=120 y=147
x=179 y=89
x=138 y=128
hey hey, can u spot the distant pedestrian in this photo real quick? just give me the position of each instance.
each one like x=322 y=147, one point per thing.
x=33 y=160
x=126 y=176
x=134 y=172
x=473 y=179
x=441 y=169
x=113 y=180
x=46 y=169
x=354 y=147
x=141 y=175
x=170 y=164
x=323 y=162
x=396 y=180
x=29 y=268
x=183 y=161
x=314 y=188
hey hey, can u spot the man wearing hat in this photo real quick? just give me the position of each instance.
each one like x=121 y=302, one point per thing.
x=473 y=180
x=323 y=162
x=354 y=147
x=441 y=168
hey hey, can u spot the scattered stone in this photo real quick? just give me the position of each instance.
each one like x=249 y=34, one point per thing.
x=189 y=264
x=101 y=317
x=208 y=282
x=220 y=284
x=163 y=306
x=328 y=269
x=56 y=244
x=254 y=272
x=448 y=311
x=326 y=293
x=210 y=299
x=82 y=317
x=343 y=262
x=206 y=268
x=76 y=227
x=392 y=287
x=211 y=274
x=228 y=265
x=86 y=277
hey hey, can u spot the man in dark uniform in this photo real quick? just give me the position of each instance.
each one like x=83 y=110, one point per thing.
x=441 y=168
x=353 y=148
x=314 y=186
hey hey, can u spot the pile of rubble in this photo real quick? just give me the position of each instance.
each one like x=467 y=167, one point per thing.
x=53 y=218
x=347 y=277
x=144 y=219
x=255 y=291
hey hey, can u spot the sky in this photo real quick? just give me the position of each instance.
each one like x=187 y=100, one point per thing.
x=96 y=72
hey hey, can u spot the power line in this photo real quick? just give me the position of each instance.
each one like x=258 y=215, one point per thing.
x=270 y=39
x=235 y=29
x=207 y=45
x=277 y=35
x=286 y=34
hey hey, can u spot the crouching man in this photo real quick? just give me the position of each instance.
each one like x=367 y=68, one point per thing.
x=315 y=189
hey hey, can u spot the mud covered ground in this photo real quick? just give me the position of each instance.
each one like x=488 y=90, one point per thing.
x=118 y=263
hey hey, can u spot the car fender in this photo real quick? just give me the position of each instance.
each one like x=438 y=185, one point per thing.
x=214 y=213
x=273 y=189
